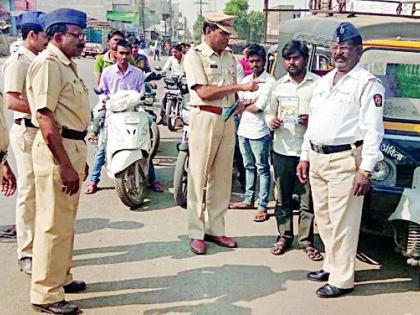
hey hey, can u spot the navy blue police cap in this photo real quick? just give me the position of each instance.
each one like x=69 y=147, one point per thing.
x=35 y=17
x=65 y=16
x=345 y=32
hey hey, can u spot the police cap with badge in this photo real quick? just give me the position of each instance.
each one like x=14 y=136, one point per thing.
x=221 y=20
x=347 y=32
x=65 y=16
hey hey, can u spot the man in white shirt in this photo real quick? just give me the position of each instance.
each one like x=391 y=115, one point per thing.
x=341 y=145
x=175 y=63
x=292 y=93
x=254 y=136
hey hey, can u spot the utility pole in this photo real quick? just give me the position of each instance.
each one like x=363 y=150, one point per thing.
x=170 y=20
x=201 y=3
x=143 y=22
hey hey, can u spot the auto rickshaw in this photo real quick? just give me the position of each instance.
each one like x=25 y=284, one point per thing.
x=392 y=53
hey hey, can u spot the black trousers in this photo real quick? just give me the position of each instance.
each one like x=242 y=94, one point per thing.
x=287 y=184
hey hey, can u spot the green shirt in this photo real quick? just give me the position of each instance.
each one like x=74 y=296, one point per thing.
x=101 y=62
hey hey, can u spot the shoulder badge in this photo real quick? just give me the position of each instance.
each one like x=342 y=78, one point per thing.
x=377 y=98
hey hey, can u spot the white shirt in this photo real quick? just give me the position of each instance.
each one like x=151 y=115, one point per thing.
x=176 y=67
x=288 y=138
x=346 y=113
x=252 y=125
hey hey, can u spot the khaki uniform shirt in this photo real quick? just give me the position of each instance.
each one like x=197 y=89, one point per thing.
x=4 y=135
x=14 y=71
x=203 y=66
x=53 y=83
x=289 y=137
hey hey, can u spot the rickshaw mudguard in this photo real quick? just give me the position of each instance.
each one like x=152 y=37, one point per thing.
x=408 y=208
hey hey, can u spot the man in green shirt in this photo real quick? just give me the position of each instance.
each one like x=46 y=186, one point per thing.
x=108 y=58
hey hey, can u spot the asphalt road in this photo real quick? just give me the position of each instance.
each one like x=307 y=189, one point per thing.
x=138 y=261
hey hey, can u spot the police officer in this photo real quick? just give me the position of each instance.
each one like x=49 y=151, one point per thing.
x=211 y=77
x=59 y=105
x=340 y=149
x=22 y=132
x=7 y=178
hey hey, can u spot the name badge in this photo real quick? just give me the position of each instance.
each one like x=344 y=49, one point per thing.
x=214 y=66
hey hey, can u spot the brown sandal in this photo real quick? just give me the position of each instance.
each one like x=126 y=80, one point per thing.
x=261 y=216
x=240 y=205
x=313 y=253
x=279 y=248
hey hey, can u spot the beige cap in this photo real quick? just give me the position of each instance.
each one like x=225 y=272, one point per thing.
x=223 y=21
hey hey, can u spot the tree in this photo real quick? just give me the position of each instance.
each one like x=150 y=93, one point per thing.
x=248 y=26
x=239 y=9
x=198 y=29
x=256 y=26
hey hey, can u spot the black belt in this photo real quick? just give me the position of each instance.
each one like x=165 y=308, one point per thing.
x=28 y=122
x=328 y=149
x=73 y=134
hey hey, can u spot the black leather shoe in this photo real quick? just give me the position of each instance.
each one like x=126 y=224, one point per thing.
x=330 y=291
x=62 y=307
x=25 y=265
x=320 y=276
x=75 y=287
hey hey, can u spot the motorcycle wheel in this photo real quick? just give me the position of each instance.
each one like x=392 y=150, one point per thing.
x=170 y=113
x=155 y=139
x=181 y=179
x=125 y=185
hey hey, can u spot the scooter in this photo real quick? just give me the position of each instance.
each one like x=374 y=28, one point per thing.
x=175 y=96
x=128 y=146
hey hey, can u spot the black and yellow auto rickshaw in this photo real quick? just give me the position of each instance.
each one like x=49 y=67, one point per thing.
x=392 y=53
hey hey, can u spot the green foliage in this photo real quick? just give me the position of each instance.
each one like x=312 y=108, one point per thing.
x=198 y=29
x=248 y=26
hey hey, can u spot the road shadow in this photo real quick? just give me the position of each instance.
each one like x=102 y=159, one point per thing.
x=227 y=284
x=393 y=275
x=89 y=225
x=142 y=251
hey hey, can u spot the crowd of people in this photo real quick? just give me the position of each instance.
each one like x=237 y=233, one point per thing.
x=277 y=123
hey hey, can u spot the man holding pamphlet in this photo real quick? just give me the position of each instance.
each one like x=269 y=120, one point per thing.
x=287 y=115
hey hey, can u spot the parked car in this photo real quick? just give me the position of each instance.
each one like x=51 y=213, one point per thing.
x=392 y=53
x=92 y=49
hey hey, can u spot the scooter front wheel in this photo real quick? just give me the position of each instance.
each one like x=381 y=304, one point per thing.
x=131 y=185
x=171 y=115
x=181 y=179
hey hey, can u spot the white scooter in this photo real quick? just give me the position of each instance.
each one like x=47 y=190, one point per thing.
x=128 y=146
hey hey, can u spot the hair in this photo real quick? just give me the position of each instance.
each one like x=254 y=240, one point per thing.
x=212 y=27
x=178 y=47
x=295 y=46
x=59 y=28
x=113 y=33
x=187 y=44
x=257 y=50
x=133 y=41
x=123 y=43
x=26 y=28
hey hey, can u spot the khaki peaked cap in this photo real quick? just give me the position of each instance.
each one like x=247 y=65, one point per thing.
x=223 y=21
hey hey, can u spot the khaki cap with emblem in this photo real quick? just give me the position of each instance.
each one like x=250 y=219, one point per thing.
x=223 y=21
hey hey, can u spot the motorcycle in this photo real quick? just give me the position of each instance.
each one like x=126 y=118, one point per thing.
x=128 y=146
x=175 y=96
x=181 y=167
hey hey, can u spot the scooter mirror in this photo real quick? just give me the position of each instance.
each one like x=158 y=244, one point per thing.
x=158 y=68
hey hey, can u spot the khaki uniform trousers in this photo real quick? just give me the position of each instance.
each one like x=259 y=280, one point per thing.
x=21 y=140
x=337 y=212
x=54 y=222
x=211 y=145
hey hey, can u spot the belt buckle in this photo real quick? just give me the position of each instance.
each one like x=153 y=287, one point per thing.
x=318 y=148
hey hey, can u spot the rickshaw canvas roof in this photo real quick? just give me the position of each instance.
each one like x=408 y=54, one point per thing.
x=318 y=29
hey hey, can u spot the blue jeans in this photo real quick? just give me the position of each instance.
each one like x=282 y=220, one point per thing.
x=255 y=153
